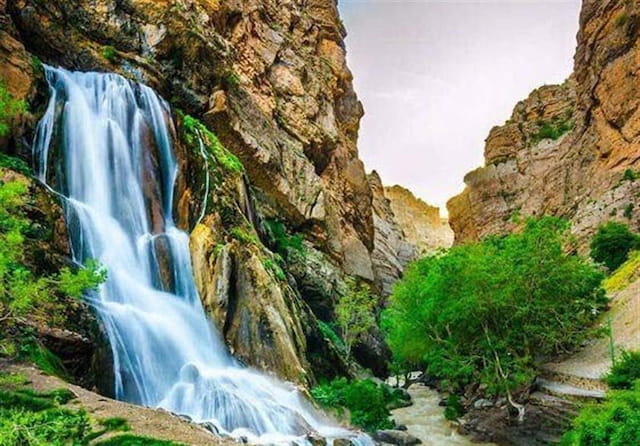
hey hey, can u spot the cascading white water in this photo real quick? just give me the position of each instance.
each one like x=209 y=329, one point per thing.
x=112 y=143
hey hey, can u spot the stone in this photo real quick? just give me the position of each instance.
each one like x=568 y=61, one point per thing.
x=396 y=437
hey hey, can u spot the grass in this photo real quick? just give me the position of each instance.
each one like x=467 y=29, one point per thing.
x=195 y=130
x=329 y=332
x=272 y=265
x=135 y=440
x=624 y=275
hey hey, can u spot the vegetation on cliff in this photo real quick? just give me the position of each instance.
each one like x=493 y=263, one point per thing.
x=612 y=243
x=26 y=298
x=483 y=313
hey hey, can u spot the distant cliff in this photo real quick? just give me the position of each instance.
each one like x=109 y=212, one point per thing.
x=570 y=150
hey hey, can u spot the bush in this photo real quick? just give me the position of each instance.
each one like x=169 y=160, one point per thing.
x=110 y=53
x=285 y=244
x=615 y=422
x=625 y=371
x=9 y=109
x=365 y=400
x=481 y=312
x=23 y=294
x=453 y=409
x=552 y=130
x=612 y=243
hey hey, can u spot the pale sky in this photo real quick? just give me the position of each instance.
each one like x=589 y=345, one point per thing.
x=435 y=76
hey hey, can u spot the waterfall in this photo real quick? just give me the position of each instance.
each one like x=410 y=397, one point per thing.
x=110 y=144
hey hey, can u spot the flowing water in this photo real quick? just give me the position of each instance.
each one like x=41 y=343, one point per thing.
x=110 y=144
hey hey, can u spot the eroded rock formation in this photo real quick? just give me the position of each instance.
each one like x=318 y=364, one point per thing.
x=567 y=147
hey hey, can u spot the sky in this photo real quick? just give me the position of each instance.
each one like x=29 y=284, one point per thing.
x=435 y=76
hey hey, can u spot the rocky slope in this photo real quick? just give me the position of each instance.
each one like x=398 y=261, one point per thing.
x=405 y=229
x=566 y=148
x=272 y=240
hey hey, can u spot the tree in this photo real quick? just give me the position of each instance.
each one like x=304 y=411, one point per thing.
x=612 y=243
x=483 y=312
x=355 y=314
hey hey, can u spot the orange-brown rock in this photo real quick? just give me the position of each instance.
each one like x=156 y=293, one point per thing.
x=581 y=174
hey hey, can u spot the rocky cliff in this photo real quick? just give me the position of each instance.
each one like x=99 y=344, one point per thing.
x=569 y=150
x=272 y=239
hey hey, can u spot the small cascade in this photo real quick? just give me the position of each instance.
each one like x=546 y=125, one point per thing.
x=109 y=144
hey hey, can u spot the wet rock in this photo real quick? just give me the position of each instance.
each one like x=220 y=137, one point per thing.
x=396 y=437
x=483 y=403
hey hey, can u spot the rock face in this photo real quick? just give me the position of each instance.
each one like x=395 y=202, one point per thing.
x=421 y=223
x=566 y=148
x=270 y=79
x=405 y=229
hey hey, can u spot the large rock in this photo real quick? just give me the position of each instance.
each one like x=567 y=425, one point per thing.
x=580 y=175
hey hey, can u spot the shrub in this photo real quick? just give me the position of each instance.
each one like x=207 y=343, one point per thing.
x=625 y=371
x=612 y=243
x=552 y=130
x=329 y=333
x=245 y=236
x=110 y=53
x=282 y=242
x=272 y=265
x=355 y=314
x=9 y=109
x=23 y=294
x=481 y=312
x=365 y=400
x=453 y=409
x=629 y=175
x=615 y=422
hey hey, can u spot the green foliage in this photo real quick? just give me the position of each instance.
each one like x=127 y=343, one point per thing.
x=196 y=131
x=9 y=109
x=244 y=236
x=22 y=294
x=612 y=243
x=628 y=211
x=14 y=163
x=285 y=244
x=110 y=53
x=365 y=400
x=355 y=314
x=30 y=418
x=624 y=275
x=552 y=130
x=615 y=422
x=136 y=440
x=625 y=371
x=232 y=80
x=329 y=333
x=453 y=410
x=481 y=312
x=42 y=357
x=272 y=265
x=629 y=175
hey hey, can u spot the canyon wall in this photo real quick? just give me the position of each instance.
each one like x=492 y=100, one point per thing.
x=569 y=150
x=270 y=187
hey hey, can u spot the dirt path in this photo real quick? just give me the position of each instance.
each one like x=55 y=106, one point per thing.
x=143 y=421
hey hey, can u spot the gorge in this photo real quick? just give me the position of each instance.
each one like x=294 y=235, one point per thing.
x=205 y=154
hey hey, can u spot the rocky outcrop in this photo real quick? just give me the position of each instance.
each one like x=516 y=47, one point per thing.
x=567 y=147
x=405 y=229
x=270 y=79
x=421 y=223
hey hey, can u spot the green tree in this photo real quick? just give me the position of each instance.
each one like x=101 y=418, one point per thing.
x=482 y=312
x=612 y=243
x=355 y=314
